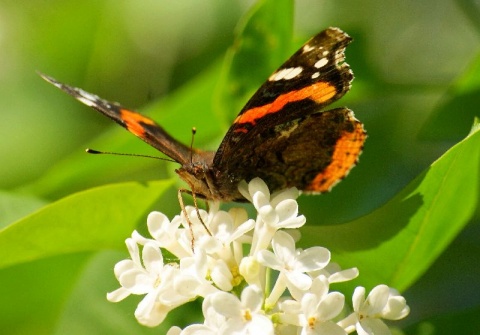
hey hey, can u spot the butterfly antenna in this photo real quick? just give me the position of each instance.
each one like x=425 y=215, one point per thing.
x=194 y=131
x=97 y=152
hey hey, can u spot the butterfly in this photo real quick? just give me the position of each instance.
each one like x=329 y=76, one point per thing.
x=283 y=135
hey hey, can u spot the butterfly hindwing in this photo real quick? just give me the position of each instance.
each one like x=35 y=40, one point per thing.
x=312 y=153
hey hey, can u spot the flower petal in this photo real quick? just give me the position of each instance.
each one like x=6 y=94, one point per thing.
x=344 y=275
x=260 y=324
x=152 y=258
x=329 y=327
x=221 y=276
x=149 y=313
x=370 y=326
x=133 y=250
x=226 y=304
x=309 y=305
x=376 y=300
x=287 y=209
x=396 y=308
x=124 y=266
x=258 y=185
x=331 y=306
x=118 y=295
x=137 y=282
x=277 y=197
x=252 y=298
x=358 y=298
x=243 y=189
x=157 y=223
x=269 y=259
x=312 y=259
x=300 y=280
x=283 y=246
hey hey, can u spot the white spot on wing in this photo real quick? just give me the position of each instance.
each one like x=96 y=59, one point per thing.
x=321 y=63
x=307 y=48
x=86 y=101
x=286 y=74
x=295 y=72
x=90 y=99
x=315 y=75
x=339 y=56
x=87 y=98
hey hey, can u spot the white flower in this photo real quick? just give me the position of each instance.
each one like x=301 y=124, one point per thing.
x=292 y=264
x=381 y=303
x=314 y=311
x=168 y=234
x=318 y=311
x=396 y=307
x=192 y=278
x=174 y=331
x=252 y=271
x=225 y=255
x=151 y=278
x=274 y=212
x=244 y=315
x=193 y=226
x=335 y=274
x=226 y=229
x=212 y=325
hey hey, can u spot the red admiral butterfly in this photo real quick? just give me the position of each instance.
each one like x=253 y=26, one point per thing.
x=282 y=135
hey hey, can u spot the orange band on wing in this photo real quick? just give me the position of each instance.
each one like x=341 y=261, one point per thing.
x=133 y=121
x=318 y=92
x=344 y=158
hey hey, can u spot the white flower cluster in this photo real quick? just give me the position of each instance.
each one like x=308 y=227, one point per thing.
x=232 y=270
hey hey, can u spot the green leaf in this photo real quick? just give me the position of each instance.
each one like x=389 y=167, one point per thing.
x=262 y=44
x=85 y=221
x=398 y=242
x=34 y=293
x=14 y=206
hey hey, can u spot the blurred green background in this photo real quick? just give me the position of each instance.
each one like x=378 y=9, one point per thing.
x=416 y=90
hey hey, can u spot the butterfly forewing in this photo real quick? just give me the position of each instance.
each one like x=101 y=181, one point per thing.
x=138 y=124
x=314 y=77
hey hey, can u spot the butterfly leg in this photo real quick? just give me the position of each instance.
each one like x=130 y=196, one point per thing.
x=198 y=213
x=182 y=205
